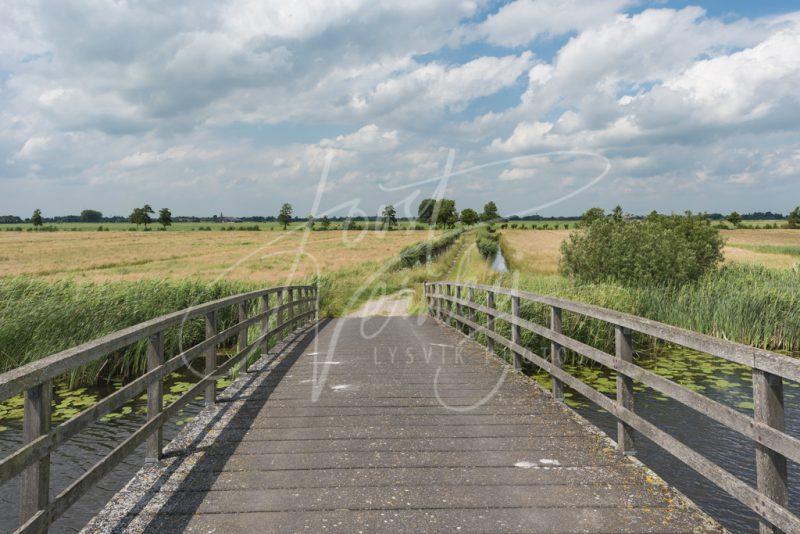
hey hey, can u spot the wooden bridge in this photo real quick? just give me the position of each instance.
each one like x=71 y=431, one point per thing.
x=398 y=423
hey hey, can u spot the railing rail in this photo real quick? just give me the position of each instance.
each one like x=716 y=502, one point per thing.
x=295 y=305
x=766 y=427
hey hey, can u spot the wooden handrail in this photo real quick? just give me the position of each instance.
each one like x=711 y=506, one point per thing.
x=32 y=459
x=773 y=446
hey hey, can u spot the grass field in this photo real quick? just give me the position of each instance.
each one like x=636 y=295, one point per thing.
x=263 y=257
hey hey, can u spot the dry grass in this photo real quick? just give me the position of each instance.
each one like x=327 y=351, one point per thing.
x=740 y=245
x=535 y=251
x=538 y=251
x=245 y=256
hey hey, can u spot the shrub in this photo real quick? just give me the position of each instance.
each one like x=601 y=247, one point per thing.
x=420 y=253
x=488 y=242
x=659 y=250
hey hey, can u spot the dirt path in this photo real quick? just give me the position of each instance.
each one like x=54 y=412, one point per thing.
x=394 y=305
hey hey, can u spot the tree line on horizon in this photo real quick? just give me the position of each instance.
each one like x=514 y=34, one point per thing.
x=434 y=212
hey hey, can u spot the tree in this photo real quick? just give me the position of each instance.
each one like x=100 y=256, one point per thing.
x=794 y=218
x=324 y=223
x=91 y=216
x=490 y=212
x=136 y=216
x=36 y=218
x=661 y=250
x=310 y=222
x=591 y=215
x=146 y=211
x=734 y=218
x=285 y=215
x=389 y=217
x=165 y=217
x=425 y=210
x=469 y=216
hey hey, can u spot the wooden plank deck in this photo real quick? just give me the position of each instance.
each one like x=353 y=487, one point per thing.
x=415 y=428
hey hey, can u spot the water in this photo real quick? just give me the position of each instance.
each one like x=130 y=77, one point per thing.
x=499 y=263
x=76 y=456
x=723 y=381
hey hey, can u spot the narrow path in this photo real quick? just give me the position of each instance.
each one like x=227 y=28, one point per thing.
x=393 y=424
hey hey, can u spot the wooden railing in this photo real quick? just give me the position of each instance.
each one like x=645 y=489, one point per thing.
x=766 y=427
x=293 y=306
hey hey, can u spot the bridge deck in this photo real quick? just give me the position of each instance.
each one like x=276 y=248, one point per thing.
x=396 y=441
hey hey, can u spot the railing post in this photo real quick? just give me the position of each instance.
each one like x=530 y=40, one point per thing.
x=35 y=480
x=771 y=473
x=265 y=325
x=624 y=352
x=459 y=309
x=439 y=290
x=155 y=396
x=290 y=302
x=447 y=304
x=280 y=314
x=242 y=338
x=490 y=320
x=515 y=337
x=316 y=303
x=556 y=353
x=211 y=358
x=472 y=311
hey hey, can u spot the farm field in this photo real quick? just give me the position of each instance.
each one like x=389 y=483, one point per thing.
x=263 y=257
x=538 y=251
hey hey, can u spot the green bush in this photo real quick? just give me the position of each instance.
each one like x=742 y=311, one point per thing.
x=659 y=250
x=421 y=253
x=488 y=242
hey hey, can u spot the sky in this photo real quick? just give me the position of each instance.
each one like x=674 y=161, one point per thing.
x=340 y=107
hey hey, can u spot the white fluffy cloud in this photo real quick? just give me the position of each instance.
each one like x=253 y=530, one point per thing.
x=235 y=105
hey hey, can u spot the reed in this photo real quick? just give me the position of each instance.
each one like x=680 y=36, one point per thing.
x=42 y=317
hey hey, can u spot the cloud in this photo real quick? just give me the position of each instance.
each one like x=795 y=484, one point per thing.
x=235 y=105
x=522 y=21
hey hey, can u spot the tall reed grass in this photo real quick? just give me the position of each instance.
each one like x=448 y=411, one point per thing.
x=42 y=317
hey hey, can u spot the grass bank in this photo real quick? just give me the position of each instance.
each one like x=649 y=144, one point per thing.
x=748 y=304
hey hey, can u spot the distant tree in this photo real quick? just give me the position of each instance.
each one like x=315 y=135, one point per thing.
x=165 y=217
x=285 y=215
x=734 y=218
x=445 y=213
x=469 y=216
x=136 y=216
x=146 y=211
x=591 y=215
x=389 y=217
x=310 y=221
x=617 y=214
x=425 y=210
x=91 y=216
x=490 y=212
x=793 y=220
x=36 y=218
x=324 y=223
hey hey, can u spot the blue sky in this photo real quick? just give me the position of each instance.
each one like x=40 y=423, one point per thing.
x=544 y=106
